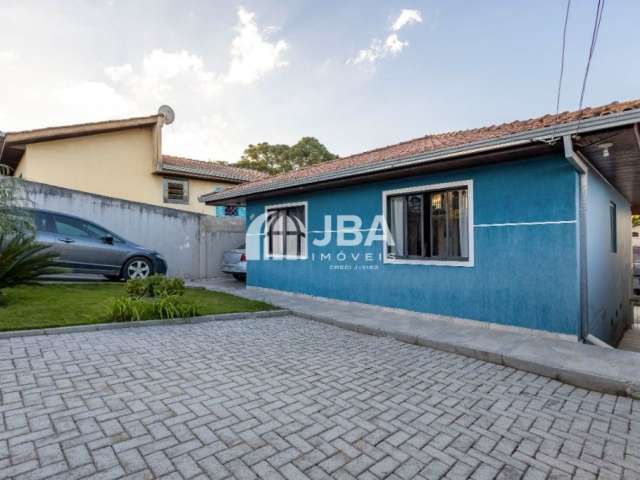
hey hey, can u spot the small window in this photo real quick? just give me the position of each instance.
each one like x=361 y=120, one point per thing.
x=230 y=211
x=286 y=231
x=429 y=225
x=176 y=191
x=613 y=219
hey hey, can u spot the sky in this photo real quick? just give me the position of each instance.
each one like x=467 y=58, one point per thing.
x=356 y=74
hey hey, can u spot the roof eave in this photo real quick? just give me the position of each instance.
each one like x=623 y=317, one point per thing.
x=69 y=131
x=177 y=171
x=551 y=133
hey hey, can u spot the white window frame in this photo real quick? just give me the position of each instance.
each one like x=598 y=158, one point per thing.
x=268 y=256
x=469 y=262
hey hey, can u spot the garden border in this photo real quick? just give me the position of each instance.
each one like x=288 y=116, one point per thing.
x=143 y=323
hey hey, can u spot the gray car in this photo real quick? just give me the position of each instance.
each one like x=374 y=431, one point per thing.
x=235 y=262
x=85 y=247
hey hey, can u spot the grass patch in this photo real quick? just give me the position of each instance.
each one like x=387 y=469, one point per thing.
x=57 y=305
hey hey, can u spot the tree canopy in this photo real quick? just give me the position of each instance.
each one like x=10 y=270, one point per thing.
x=280 y=158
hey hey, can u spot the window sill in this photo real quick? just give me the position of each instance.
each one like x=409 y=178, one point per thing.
x=436 y=263
x=285 y=257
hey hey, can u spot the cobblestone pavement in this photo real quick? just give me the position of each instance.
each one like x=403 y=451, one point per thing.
x=291 y=398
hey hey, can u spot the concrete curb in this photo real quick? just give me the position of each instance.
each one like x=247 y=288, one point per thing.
x=509 y=357
x=222 y=317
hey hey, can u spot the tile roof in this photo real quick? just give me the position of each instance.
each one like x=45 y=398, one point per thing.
x=213 y=170
x=432 y=143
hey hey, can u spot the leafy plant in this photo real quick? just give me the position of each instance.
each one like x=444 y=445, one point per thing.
x=155 y=286
x=136 y=288
x=125 y=309
x=170 y=306
x=175 y=286
x=23 y=261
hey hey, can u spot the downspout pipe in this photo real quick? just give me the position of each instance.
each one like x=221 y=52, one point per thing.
x=3 y=137
x=581 y=168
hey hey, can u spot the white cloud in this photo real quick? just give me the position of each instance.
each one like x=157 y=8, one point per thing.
x=119 y=72
x=7 y=56
x=91 y=101
x=163 y=74
x=208 y=125
x=252 y=55
x=392 y=45
x=406 y=17
x=210 y=137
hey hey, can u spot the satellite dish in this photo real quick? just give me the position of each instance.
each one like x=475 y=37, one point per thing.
x=167 y=112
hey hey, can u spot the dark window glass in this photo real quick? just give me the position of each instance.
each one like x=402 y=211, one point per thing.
x=414 y=225
x=176 y=191
x=230 y=211
x=286 y=231
x=613 y=219
x=43 y=222
x=430 y=225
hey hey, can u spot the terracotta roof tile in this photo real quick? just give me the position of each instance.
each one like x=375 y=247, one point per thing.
x=435 y=142
x=214 y=170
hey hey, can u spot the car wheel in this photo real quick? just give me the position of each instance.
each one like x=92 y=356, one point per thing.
x=241 y=277
x=137 y=268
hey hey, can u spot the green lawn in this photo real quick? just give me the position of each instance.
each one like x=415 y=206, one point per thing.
x=55 y=305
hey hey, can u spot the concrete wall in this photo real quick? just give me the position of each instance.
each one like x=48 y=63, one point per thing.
x=117 y=164
x=191 y=243
x=609 y=272
x=526 y=257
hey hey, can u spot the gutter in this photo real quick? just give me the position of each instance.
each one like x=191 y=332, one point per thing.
x=581 y=168
x=3 y=137
x=546 y=134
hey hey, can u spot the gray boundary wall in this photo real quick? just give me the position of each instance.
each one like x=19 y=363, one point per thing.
x=192 y=243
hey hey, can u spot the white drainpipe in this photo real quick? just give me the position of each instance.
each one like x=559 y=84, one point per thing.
x=574 y=159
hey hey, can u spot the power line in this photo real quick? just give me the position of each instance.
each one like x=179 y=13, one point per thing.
x=592 y=48
x=564 y=44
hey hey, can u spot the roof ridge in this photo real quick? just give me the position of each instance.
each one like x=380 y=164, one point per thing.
x=453 y=133
x=438 y=141
x=242 y=173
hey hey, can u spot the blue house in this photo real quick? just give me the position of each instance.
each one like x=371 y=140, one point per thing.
x=525 y=225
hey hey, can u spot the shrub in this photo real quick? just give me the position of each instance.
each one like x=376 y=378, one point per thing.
x=155 y=286
x=175 y=286
x=126 y=309
x=23 y=261
x=170 y=306
x=136 y=288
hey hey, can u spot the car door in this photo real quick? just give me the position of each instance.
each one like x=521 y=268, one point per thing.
x=86 y=247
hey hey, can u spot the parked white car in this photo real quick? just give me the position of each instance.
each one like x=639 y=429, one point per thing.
x=235 y=262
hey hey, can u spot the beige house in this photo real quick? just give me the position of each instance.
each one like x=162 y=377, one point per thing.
x=120 y=159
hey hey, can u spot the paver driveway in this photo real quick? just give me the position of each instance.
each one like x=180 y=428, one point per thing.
x=294 y=398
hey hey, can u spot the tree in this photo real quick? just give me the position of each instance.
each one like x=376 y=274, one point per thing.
x=22 y=260
x=14 y=219
x=280 y=158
